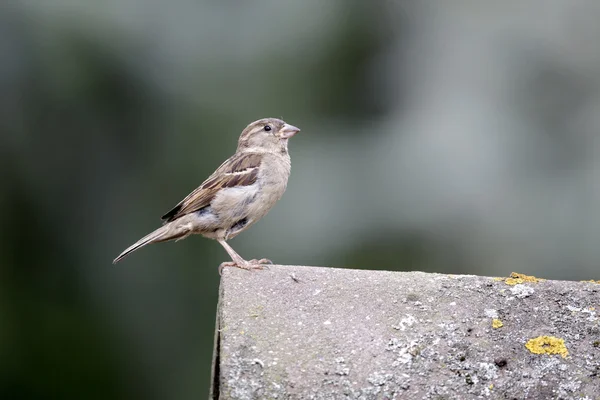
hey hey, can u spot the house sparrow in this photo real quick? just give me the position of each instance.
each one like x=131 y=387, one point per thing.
x=239 y=193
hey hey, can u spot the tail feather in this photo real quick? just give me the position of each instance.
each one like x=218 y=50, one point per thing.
x=162 y=234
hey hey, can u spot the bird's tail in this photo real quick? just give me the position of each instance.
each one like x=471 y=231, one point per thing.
x=166 y=232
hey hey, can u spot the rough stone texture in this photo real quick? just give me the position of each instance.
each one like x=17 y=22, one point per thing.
x=295 y=332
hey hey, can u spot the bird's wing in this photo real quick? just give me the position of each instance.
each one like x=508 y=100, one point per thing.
x=239 y=170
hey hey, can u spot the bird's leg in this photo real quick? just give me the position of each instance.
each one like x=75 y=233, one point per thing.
x=234 y=256
x=238 y=261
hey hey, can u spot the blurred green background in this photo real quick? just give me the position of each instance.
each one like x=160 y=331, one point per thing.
x=456 y=137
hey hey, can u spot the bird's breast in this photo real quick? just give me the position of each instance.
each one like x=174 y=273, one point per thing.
x=271 y=183
x=252 y=202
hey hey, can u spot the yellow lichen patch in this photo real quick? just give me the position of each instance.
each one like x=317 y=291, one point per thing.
x=593 y=281
x=516 y=278
x=547 y=345
x=513 y=282
x=496 y=323
x=498 y=279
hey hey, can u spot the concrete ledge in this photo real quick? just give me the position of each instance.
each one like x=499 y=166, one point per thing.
x=294 y=332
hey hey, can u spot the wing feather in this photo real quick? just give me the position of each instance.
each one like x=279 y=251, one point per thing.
x=239 y=170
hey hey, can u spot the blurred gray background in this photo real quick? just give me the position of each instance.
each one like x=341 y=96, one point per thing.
x=447 y=136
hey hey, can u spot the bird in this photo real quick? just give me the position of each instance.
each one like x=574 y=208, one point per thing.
x=238 y=194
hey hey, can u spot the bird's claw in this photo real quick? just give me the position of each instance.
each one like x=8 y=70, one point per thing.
x=261 y=261
x=248 y=265
x=226 y=264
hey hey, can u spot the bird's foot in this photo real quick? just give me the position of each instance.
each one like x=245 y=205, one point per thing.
x=261 y=261
x=247 y=265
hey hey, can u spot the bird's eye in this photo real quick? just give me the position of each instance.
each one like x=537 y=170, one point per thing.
x=267 y=128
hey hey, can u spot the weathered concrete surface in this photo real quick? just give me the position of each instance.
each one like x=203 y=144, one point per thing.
x=321 y=333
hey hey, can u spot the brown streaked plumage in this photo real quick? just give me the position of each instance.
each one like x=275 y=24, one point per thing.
x=240 y=192
x=236 y=171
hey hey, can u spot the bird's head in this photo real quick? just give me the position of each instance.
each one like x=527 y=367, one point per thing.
x=266 y=135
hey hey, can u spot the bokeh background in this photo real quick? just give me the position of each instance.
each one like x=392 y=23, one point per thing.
x=448 y=136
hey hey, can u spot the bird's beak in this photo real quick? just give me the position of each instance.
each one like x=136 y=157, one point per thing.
x=288 y=131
